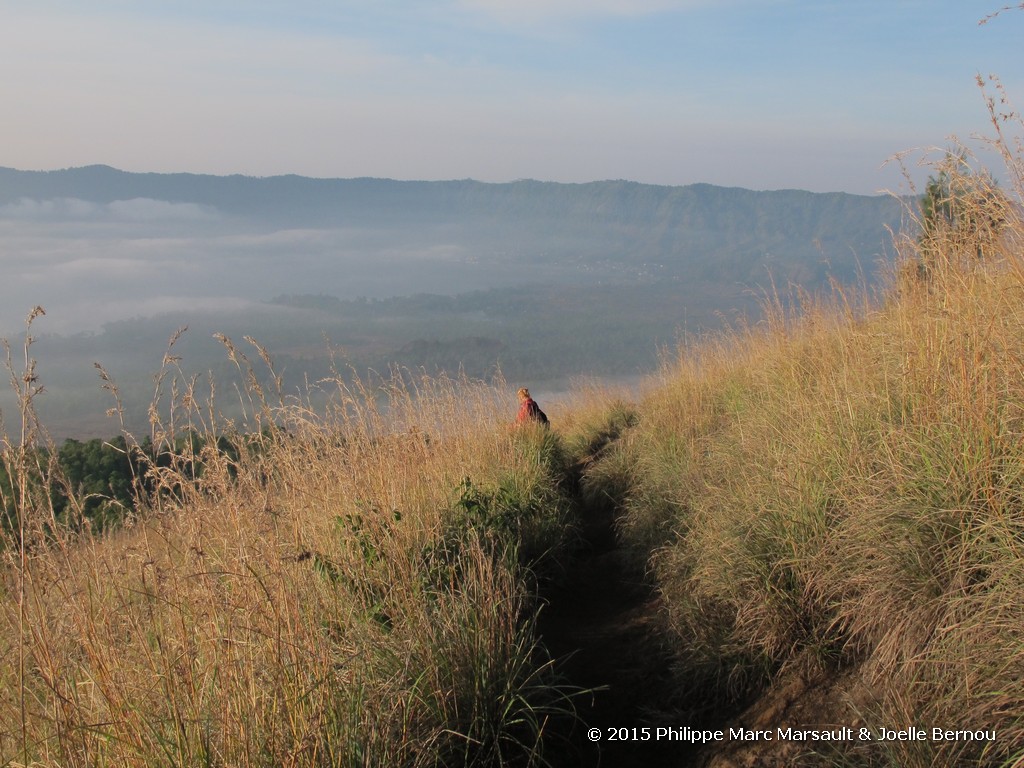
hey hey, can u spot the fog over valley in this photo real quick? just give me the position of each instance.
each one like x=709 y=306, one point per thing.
x=545 y=281
x=90 y=264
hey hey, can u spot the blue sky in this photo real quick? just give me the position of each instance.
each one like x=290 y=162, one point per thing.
x=762 y=94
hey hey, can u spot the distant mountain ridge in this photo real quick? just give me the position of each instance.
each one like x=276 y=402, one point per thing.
x=246 y=194
x=699 y=226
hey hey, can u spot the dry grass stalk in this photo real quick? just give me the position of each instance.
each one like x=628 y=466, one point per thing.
x=276 y=602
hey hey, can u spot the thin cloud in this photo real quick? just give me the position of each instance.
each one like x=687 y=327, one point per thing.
x=136 y=210
x=534 y=11
x=59 y=209
x=144 y=209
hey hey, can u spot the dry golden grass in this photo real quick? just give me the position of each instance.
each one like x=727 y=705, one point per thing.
x=844 y=483
x=291 y=604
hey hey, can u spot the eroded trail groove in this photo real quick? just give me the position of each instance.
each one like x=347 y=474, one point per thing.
x=601 y=622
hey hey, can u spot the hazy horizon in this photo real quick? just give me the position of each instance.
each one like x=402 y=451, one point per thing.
x=924 y=168
x=745 y=93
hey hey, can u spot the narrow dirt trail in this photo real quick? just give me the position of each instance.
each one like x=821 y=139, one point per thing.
x=601 y=621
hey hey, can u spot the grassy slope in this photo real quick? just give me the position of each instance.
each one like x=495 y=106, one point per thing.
x=844 y=491
x=350 y=591
x=834 y=492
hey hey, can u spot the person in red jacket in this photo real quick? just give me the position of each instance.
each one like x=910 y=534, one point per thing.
x=529 y=411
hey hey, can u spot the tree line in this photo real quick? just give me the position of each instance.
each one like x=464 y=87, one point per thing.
x=97 y=482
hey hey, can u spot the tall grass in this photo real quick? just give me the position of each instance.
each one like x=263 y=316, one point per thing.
x=302 y=586
x=843 y=485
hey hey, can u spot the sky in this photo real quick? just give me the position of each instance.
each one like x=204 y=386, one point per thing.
x=762 y=94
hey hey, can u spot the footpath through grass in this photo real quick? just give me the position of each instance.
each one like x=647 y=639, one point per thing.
x=602 y=622
x=837 y=496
